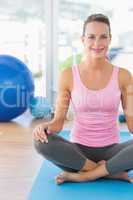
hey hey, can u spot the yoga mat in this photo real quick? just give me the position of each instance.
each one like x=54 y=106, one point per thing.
x=44 y=187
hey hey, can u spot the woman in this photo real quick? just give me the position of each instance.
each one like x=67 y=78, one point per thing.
x=95 y=88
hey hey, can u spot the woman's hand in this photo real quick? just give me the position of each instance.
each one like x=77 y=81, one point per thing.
x=40 y=132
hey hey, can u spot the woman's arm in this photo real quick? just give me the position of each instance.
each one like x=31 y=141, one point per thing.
x=62 y=102
x=126 y=85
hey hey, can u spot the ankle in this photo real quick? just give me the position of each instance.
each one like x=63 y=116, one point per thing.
x=88 y=166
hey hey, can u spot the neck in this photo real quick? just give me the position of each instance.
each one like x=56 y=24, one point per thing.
x=94 y=64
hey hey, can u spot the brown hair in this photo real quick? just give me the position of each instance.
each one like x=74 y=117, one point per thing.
x=96 y=18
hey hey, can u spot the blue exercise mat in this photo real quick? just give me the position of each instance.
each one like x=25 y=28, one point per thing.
x=44 y=187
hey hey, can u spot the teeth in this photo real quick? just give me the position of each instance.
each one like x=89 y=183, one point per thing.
x=97 y=49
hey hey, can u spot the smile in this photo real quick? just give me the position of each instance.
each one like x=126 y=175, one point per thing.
x=97 y=50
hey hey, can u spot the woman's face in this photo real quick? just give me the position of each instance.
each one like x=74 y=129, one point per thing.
x=96 y=39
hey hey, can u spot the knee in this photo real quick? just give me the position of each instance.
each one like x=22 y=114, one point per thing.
x=43 y=147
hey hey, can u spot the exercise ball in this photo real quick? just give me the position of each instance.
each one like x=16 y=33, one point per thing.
x=40 y=107
x=16 y=87
x=122 y=118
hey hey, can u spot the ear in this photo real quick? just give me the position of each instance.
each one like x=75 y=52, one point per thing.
x=82 y=39
x=110 y=38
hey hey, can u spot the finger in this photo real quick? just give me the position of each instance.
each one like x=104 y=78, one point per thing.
x=43 y=137
x=36 y=135
x=39 y=134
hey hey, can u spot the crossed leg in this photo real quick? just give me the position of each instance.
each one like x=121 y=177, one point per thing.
x=68 y=157
x=120 y=160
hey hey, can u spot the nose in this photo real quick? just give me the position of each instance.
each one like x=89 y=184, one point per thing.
x=97 y=42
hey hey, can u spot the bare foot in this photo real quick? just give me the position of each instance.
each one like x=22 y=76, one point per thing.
x=101 y=162
x=80 y=177
x=98 y=172
x=128 y=178
x=70 y=177
x=61 y=178
x=120 y=176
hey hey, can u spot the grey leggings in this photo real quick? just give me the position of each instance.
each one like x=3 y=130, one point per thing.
x=72 y=156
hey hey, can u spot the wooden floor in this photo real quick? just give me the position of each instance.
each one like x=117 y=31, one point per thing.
x=19 y=162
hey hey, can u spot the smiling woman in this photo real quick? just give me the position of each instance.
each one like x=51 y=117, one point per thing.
x=96 y=43
x=95 y=88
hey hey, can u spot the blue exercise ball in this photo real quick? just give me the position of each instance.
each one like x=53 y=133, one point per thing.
x=122 y=118
x=40 y=107
x=16 y=87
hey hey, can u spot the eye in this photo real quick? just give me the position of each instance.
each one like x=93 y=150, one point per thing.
x=91 y=37
x=104 y=37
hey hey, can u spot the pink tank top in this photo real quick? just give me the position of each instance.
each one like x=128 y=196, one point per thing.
x=95 y=112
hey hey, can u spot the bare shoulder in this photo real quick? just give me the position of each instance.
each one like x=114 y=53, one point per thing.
x=66 y=78
x=125 y=78
x=67 y=71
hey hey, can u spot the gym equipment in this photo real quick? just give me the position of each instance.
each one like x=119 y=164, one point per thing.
x=40 y=107
x=16 y=87
x=122 y=118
